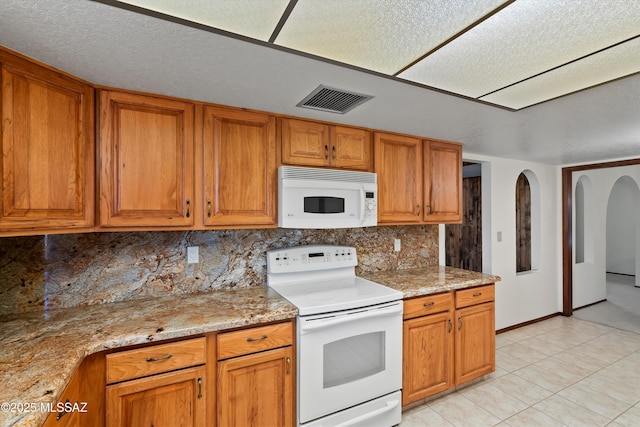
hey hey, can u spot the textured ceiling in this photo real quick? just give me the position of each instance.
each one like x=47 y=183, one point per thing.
x=116 y=47
x=510 y=53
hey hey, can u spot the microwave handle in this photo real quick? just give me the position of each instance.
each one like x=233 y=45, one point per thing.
x=362 y=203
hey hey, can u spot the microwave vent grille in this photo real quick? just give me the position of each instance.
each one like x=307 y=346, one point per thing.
x=289 y=172
x=325 y=98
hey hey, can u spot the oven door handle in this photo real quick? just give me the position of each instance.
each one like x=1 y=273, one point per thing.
x=388 y=407
x=325 y=323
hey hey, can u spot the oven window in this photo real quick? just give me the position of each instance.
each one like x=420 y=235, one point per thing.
x=353 y=358
x=323 y=204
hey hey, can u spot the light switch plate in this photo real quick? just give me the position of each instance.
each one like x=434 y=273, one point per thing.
x=192 y=255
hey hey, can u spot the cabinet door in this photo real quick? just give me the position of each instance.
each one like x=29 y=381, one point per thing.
x=172 y=399
x=350 y=148
x=70 y=396
x=240 y=168
x=305 y=143
x=398 y=163
x=427 y=356
x=443 y=182
x=47 y=149
x=257 y=390
x=475 y=347
x=146 y=161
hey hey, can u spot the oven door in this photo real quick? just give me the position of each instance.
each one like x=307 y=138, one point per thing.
x=348 y=358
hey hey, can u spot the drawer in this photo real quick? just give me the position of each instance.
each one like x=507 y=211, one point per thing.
x=473 y=296
x=141 y=362
x=247 y=341
x=429 y=304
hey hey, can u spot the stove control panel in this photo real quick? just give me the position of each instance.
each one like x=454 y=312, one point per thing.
x=310 y=258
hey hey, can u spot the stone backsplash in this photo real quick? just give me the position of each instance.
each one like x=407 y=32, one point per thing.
x=44 y=272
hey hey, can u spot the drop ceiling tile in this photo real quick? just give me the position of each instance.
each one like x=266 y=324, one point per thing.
x=608 y=65
x=524 y=39
x=251 y=18
x=379 y=35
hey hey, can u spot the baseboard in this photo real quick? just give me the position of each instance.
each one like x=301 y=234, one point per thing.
x=530 y=322
x=589 y=305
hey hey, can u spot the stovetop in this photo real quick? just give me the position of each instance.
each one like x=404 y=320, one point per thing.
x=321 y=279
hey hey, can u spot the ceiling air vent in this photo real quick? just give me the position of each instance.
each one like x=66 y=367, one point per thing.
x=333 y=100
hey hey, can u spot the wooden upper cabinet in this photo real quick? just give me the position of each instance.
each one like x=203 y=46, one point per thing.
x=398 y=163
x=239 y=168
x=146 y=161
x=47 y=149
x=443 y=182
x=350 y=148
x=306 y=143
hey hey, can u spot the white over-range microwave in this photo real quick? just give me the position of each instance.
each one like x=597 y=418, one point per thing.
x=326 y=198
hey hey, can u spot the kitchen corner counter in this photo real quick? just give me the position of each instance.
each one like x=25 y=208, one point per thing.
x=430 y=280
x=41 y=350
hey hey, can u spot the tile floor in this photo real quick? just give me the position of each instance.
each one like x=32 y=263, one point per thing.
x=559 y=372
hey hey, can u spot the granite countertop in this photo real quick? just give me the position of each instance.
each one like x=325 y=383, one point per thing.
x=41 y=350
x=430 y=280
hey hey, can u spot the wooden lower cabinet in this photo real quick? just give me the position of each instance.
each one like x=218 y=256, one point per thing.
x=256 y=390
x=475 y=342
x=446 y=344
x=256 y=377
x=172 y=399
x=428 y=356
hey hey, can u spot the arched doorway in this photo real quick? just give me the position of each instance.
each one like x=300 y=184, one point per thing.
x=623 y=228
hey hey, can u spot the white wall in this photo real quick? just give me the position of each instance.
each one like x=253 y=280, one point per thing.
x=589 y=277
x=622 y=215
x=525 y=296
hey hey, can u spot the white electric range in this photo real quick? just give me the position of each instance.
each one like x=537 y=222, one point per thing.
x=349 y=337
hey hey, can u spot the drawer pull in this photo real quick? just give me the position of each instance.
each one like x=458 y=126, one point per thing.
x=157 y=359
x=250 y=339
x=477 y=294
x=428 y=304
x=199 y=387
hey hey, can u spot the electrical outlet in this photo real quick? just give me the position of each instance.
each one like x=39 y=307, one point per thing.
x=192 y=255
x=396 y=245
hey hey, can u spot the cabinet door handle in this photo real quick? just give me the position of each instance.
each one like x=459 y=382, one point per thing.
x=251 y=339
x=429 y=209
x=188 y=208
x=209 y=208
x=417 y=211
x=288 y=359
x=450 y=325
x=477 y=294
x=459 y=323
x=199 y=387
x=333 y=152
x=326 y=152
x=158 y=359
x=63 y=412
x=428 y=304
